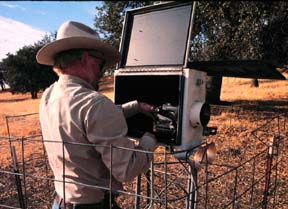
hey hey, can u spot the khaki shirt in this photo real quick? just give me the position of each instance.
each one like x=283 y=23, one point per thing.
x=79 y=125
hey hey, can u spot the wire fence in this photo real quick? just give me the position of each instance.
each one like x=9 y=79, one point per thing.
x=250 y=169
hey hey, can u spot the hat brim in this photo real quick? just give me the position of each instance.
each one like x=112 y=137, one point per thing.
x=47 y=53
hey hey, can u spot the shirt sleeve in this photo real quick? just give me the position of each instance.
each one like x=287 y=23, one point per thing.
x=106 y=127
x=130 y=108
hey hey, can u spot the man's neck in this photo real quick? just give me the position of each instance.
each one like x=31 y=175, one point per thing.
x=77 y=72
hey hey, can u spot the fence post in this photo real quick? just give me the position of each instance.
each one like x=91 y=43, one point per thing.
x=268 y=173
x=192 y=188
x=138 y=191
x=17 y=178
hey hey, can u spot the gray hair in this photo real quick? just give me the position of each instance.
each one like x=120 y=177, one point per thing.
x=65 y=59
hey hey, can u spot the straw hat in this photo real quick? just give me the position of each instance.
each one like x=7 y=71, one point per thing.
x=74 y=35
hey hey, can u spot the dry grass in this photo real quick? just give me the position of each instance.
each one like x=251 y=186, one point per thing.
x=21 y=104
x=241 y=89
x=17 y=104
x=233 y=140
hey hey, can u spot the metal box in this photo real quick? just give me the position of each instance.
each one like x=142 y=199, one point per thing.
x=183 y=89
x=154 y=46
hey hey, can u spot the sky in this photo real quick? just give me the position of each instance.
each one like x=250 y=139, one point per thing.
x=26 y=22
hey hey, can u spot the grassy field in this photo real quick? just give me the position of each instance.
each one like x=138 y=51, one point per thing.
x=234 y=128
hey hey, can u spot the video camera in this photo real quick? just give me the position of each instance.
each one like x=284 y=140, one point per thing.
x=165 y=122
x=162 y=122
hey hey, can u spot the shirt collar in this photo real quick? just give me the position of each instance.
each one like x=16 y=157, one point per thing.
x=66 y=79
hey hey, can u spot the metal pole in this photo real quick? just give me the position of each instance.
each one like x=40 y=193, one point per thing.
x=151 y=183
x=192 y=188
x=15 y=168
x=138 y=190
x=165 y=178
x=17 y=179
x=188 y=200
x=235 y=189
x=24 y=172
x=268 y=173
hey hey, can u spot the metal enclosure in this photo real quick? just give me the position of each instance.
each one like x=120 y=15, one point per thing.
x=154 y=46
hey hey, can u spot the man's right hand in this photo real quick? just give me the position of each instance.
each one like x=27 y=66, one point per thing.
x=148 y=142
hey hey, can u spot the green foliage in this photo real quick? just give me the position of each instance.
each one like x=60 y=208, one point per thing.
x=226 y=30
x=24 y=74
x=275 y=33
x=230 y=30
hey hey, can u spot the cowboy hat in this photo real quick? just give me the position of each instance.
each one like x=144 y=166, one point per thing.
x=74 y=35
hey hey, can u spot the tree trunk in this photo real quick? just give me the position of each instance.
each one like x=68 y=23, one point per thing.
x=33 y=90
x=213 y=89
x=34 y=94
x=255 y=83
x=2 y=86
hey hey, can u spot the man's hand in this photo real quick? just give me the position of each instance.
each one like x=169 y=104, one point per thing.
x=145 y=108
x=148 y=142
x=134 y=107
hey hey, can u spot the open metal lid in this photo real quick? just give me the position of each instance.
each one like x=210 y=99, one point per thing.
x=239 y=68
x=156 y=35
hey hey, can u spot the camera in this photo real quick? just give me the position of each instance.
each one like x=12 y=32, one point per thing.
x=165 y=122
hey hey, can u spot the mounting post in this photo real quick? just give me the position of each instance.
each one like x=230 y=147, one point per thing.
x=192 y=188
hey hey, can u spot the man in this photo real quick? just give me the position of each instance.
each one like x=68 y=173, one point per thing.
x=83 y=130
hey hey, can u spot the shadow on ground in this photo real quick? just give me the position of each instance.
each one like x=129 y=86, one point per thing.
x=273 y=106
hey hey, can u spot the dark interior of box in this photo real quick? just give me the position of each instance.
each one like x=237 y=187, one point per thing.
x=152 y=89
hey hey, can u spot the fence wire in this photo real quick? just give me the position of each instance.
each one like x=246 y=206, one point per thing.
x=250 y=169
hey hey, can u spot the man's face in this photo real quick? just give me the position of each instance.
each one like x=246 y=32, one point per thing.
x=94 y=68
